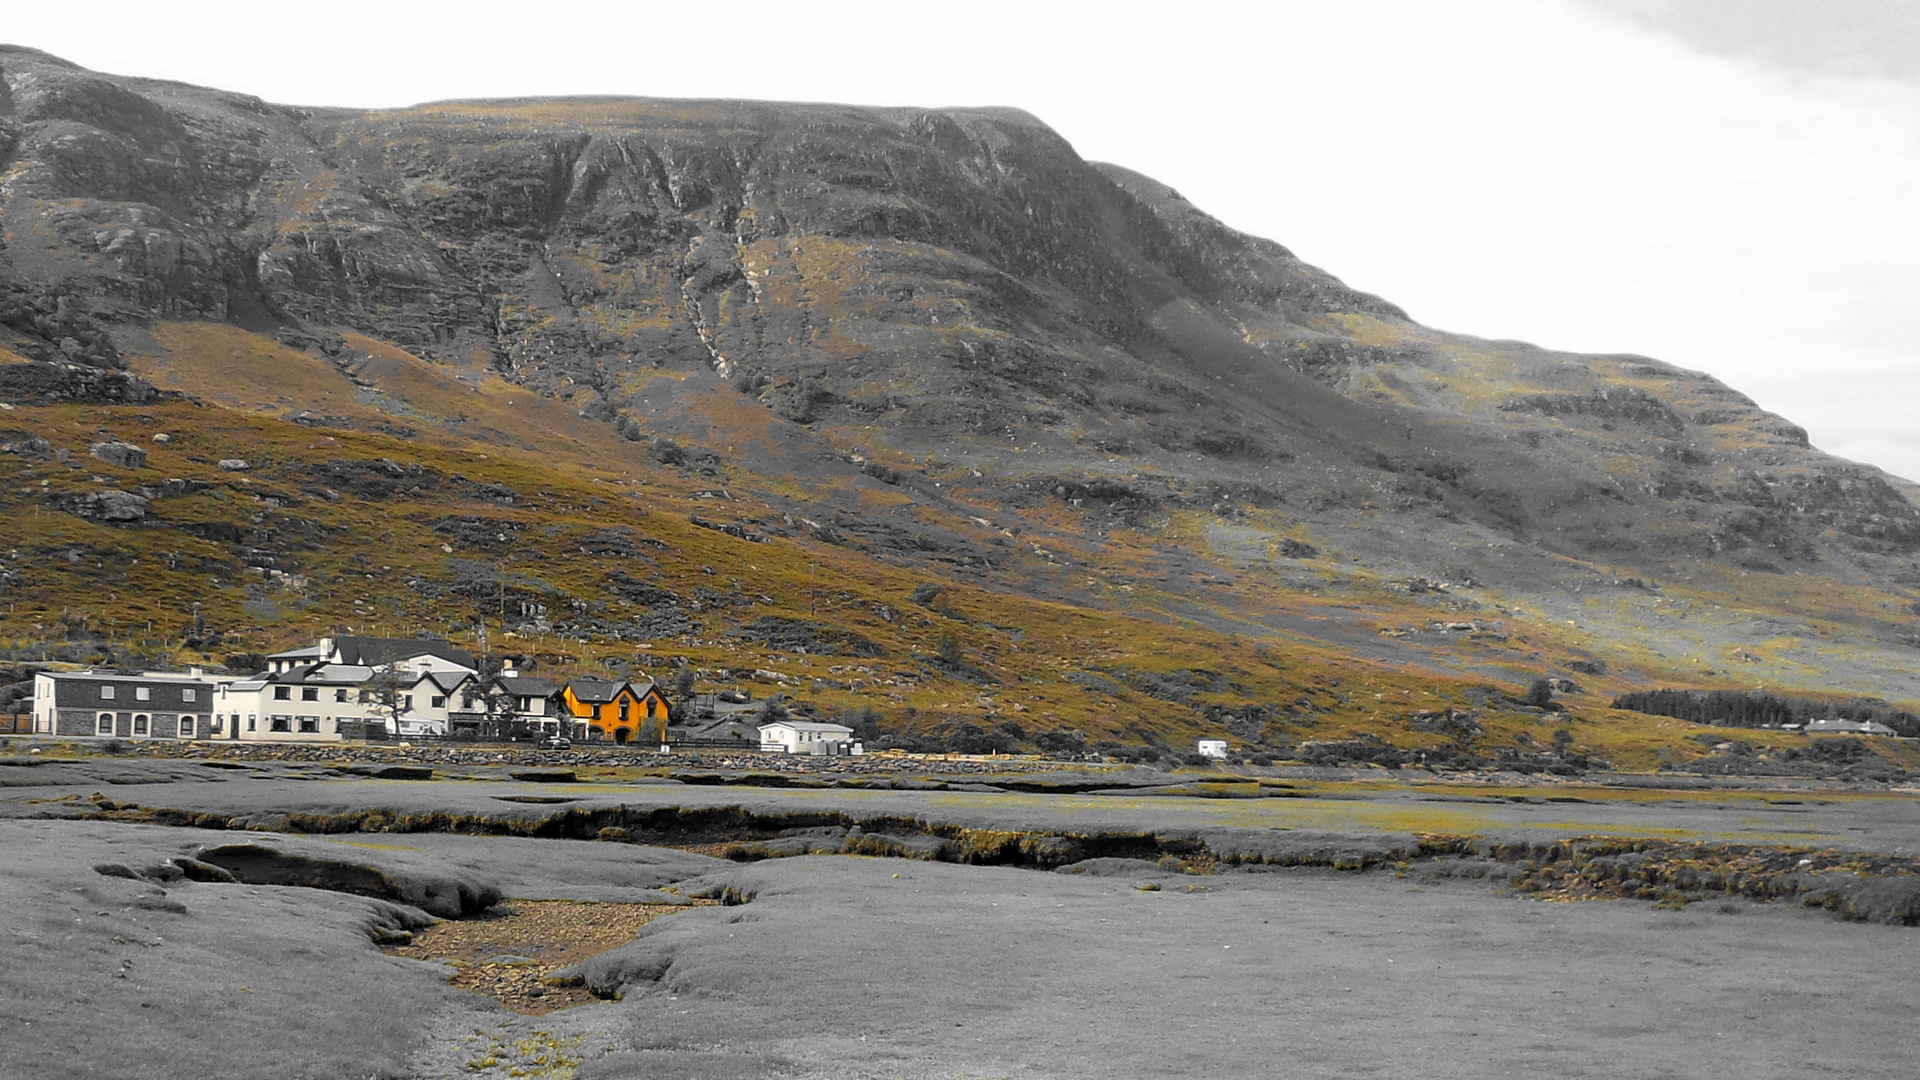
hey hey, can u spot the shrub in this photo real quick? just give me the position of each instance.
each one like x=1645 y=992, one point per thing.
x=1539 y=693
x=970 y=739
x=666 y=451
x=1132 y=755
x=1067 y=744
x=948 y=649
x=865 y=722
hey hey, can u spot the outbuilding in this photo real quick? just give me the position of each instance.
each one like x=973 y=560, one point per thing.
x=1841 y=726
x=806 y=737
x=152 y=705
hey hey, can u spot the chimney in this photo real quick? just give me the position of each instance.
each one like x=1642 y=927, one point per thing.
x=195 y=672
x=326 y=649
x=507 y=670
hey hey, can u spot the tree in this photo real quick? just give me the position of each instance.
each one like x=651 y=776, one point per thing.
x=245 y=662
x=681 y=707
x=501 y=706
x=865 y=722
x=386 y=689
x=1562 y=742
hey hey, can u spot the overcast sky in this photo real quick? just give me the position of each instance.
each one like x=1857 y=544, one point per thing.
x=1729 y=185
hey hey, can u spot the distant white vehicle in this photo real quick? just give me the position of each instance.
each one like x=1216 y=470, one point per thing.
x=1213 y=748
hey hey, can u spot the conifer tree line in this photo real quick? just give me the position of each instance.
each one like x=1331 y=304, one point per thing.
x=1757 y=708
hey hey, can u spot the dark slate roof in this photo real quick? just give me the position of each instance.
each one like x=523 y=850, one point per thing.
x=447 y=681
x=597 y=691
x=375 y=651
x=528 y=686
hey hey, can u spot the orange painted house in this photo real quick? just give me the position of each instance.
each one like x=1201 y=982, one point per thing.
x=617 y=709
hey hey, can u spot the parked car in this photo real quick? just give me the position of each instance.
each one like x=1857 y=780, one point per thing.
x=556 y=742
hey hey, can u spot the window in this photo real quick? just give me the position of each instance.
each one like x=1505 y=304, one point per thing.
x=309 y=725
x=214 y=726
x=142 y=693
x=280 y=723
x=140 y=724
x=186 y=727
x=439 y=702
x=187 y=694
x=106 y=724
x=309 y=693
x=106 y=693
x=282 y=693
x=340 y=694
x=523 y=704
x=251 y=721
x=406 y=701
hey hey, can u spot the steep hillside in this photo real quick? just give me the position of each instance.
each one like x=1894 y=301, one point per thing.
x=893 y=349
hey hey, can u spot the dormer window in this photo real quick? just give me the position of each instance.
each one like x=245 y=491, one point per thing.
x=106 y=693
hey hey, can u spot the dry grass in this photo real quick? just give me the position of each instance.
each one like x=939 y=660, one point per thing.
x=1327 y=672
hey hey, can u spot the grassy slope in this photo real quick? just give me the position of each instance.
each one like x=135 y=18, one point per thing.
x=1322 y=660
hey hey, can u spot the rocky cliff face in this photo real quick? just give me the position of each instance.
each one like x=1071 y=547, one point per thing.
x=893 y=287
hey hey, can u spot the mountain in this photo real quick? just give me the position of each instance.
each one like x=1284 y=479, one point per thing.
x=932 y=351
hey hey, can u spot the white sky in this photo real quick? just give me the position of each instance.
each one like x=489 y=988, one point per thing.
x=1730 y=185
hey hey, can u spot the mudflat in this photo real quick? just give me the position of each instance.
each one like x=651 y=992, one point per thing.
x=138 y=949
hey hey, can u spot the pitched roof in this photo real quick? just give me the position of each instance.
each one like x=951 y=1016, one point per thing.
x=310 y=652
x=447 y=681
x=329 y=674
x=375 y=651
x=597 y=691
x=528 y=686
x=806 y=725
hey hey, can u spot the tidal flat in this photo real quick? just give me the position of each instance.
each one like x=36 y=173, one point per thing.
x=175 y=919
